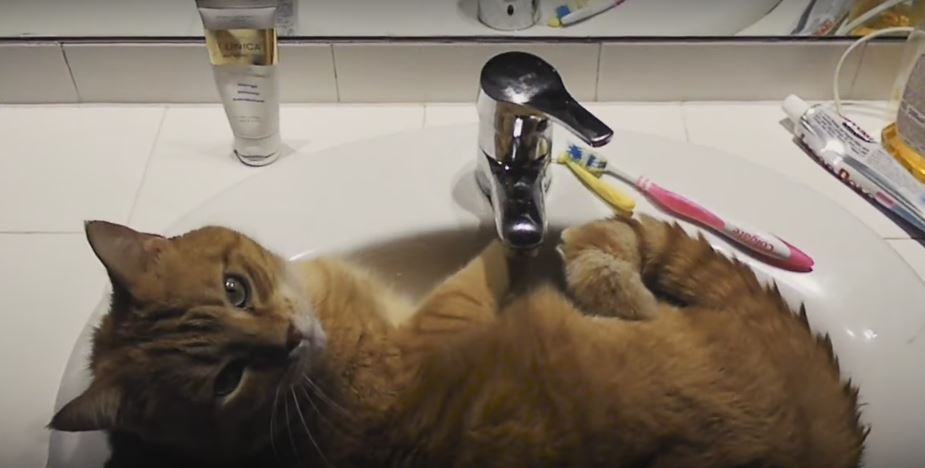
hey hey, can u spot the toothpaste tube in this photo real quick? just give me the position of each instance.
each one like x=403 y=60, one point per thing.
x=887 y=198
x=855 y=158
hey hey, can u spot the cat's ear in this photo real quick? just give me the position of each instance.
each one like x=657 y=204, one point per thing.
x=97 y=408
x=127 y=254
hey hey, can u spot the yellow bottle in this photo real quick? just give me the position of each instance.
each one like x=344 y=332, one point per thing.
x=908 y=13
x=904 y=138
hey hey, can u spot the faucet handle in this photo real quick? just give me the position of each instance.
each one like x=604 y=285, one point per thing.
x=531 y=84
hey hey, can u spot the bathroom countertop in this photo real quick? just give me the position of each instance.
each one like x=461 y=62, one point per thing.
x=146 y=165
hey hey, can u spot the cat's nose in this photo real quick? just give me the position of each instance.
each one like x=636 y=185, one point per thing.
x=293 y=337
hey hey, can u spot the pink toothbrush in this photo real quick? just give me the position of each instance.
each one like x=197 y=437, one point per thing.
x=771 y=248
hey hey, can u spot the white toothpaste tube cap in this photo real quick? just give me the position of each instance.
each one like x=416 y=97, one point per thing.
x=795 y=107
x=257 y=151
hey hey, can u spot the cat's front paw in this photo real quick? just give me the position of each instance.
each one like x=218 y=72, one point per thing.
x=602 y=264
x=613 y=236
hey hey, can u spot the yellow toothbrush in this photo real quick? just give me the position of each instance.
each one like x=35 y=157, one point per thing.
x=608 y=193
x=774 y=250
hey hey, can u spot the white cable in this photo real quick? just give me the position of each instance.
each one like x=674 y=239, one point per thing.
x=848 y=27
x=836 y=94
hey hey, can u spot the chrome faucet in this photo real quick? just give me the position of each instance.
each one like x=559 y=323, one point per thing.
x=508 y=15
x=518 y=96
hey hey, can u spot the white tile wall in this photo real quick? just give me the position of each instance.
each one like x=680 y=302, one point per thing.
x=181 y=73
x=142 y=72
x=32 y=73
x=307 y=73
x=877 y=71
x=719 y=71
x=446 y=72
x=89 y=168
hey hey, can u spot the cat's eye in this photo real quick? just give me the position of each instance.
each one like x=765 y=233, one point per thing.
x=236 y=290
x=228 y=379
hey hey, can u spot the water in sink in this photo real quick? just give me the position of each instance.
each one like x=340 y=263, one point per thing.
x=414 y=265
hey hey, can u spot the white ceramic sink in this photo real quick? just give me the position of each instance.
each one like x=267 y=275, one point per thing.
x=408 y=206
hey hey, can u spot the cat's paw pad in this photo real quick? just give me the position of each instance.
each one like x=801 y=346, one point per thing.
x=614 y=237
x=604 y=285
x=602 y=270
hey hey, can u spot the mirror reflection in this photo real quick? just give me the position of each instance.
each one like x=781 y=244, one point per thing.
x=473 y=18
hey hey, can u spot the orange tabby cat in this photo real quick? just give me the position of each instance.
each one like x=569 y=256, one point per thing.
x=219 y=353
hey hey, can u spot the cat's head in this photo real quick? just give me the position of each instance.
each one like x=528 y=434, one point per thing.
x=204 y=332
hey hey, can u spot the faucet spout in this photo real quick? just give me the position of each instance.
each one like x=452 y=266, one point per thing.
x=518 y=200
x=519 y=95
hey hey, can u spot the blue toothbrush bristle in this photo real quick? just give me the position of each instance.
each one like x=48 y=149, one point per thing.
x=562 y=11
x=586 y=158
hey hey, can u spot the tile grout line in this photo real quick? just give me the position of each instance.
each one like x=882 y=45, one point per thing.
x=70 y=71
x=334 y=68
x=597 y=73
x=144 y=174
x=849 y=94
x=687 y=133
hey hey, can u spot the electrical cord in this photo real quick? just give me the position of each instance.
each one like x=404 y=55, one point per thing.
x=836 y=93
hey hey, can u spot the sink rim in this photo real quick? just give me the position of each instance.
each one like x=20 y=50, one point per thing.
x=454 y=216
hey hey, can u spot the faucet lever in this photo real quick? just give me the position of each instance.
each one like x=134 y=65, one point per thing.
x=531 y=84
x=519 y=94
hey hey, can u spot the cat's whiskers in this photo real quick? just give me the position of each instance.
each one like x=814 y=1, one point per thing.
x=320 y=393
x=273 y=419
x=295 y=399
x=318 y=412
x=295 y=449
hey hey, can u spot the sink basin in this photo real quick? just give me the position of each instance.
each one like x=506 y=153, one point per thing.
x=407 y=205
